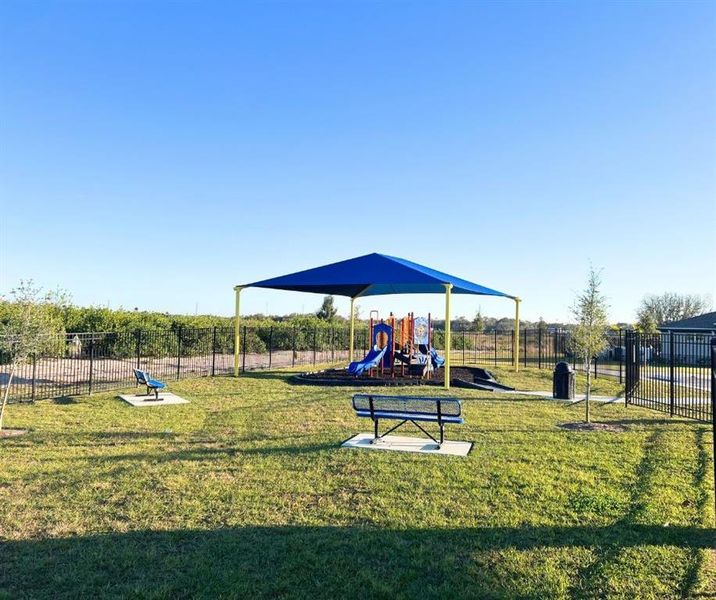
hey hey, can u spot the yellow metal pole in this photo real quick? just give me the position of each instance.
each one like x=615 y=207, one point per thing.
x=516 y=350
x=353 y=330
x=237 y=332
x=448 y=342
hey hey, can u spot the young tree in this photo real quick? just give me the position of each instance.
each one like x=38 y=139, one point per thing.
x=479 y=322
x=28 y=328
x=327 y=312
x=671 y=306
x=589 y=336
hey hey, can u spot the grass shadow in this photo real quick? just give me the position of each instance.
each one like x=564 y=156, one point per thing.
x=301 y=561
x=64 y=400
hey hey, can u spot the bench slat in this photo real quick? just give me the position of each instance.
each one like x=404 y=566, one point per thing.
x=409 y=416
x=415 y=406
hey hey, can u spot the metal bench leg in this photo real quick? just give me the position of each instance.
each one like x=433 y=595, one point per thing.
x=375 y=430
x=442 y=435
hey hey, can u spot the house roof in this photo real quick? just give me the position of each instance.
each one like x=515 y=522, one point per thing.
x=373 y=275
x=705 y=322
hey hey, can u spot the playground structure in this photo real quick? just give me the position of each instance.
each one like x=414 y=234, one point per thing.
x=399 y=347
x=375 y=274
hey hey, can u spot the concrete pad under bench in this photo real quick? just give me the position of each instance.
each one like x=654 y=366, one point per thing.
x=144 y=400
x=407 y=444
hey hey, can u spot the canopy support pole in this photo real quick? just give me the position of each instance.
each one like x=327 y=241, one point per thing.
x=516 y=349
x=353 y=330
x=448 y=341
x=237 y=332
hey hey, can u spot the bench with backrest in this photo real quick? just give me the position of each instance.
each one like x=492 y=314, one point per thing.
x=409 y=409
x=143 y=378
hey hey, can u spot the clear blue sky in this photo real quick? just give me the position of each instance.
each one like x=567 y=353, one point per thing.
x=156 y=154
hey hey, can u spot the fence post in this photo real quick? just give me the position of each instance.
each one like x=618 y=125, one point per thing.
x=293 y=347
x=539 y=348
x=270 y=345
x=139 y=346
x=315 y=331
x=512 y=343
x=621 y=356
x=34 y=375
x=463 y=347
x=91 y=365
x=213 y=352
x=632 y=377
x=524 y=345
x=495 y=346
x=595 y=367
x=243 y=350
x=713 y=410
x=178 y=351
x=243 y=353
x=671 y=373
x=333 y=346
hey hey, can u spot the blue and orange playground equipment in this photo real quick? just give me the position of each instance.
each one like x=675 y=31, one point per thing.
x=377 y=274
x=399 y=346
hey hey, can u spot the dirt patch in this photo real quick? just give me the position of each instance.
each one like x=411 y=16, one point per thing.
x=6 y=433
x=581 y=426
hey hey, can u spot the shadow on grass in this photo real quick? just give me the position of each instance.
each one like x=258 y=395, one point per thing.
x=298 y=561
x=209 y=453
x=269 y=375
x=658 y=421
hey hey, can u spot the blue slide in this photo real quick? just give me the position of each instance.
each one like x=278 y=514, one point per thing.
x=372 y=359
x=437 y=360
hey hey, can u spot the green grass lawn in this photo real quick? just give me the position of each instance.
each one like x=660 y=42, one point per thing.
x=245 y=492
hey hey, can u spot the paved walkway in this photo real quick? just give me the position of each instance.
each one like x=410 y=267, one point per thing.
x=577 y=398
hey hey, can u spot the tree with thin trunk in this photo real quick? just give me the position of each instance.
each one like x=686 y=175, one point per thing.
x=478 y=322
x=328 y=311
x=589 y=336
x=29 y=329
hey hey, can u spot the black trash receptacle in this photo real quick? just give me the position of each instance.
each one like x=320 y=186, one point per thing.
x=563 y=381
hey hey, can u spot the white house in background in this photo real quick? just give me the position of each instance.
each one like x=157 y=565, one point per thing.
x=690 y=339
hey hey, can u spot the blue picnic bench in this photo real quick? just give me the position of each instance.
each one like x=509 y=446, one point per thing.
x=143 y=378
x=409 y=409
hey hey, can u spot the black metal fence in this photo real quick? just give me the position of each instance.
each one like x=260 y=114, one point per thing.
x=540 y=348
x=83 y=363
x=88 y=362
x=670 y=372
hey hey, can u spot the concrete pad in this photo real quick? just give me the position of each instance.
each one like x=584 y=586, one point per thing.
x=407 y=444
x=144 y=400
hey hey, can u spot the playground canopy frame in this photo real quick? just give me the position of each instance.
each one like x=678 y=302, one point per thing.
x=376 y=275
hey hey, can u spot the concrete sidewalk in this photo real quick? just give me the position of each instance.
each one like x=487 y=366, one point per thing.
x=577 y=398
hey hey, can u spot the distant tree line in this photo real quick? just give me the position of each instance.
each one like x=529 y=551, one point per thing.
x=64 y=317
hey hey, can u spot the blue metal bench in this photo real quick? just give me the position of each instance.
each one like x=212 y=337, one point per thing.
x=143 y=378
x=409 y=409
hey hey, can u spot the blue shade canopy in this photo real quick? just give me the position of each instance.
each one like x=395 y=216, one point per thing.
x=374 y=275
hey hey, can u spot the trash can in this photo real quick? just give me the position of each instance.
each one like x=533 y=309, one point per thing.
x=563 y=381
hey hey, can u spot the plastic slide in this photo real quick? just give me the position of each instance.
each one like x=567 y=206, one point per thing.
x=372 y=359
x=437 y=360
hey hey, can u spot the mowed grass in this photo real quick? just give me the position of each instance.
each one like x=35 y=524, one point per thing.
x=245 y=492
